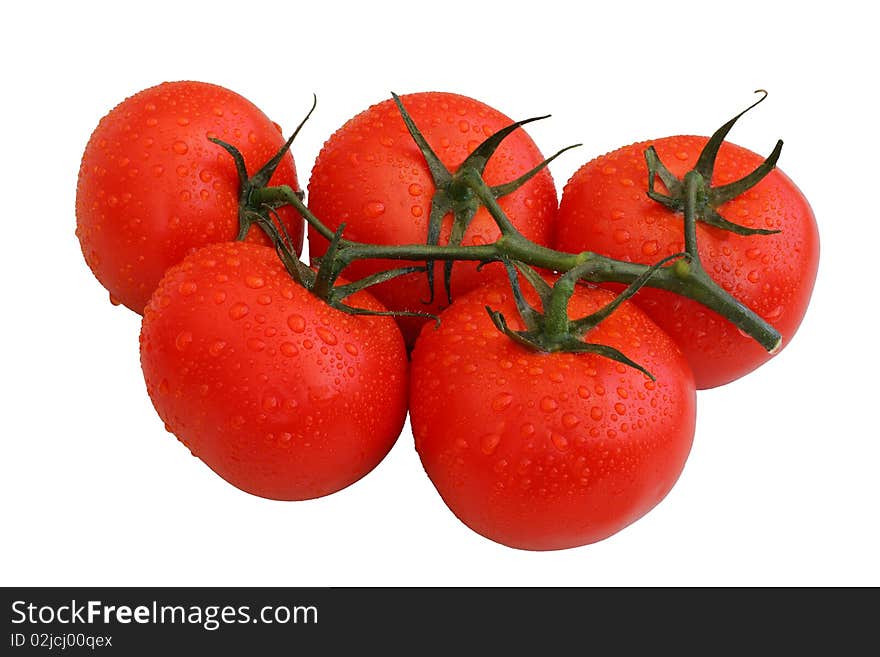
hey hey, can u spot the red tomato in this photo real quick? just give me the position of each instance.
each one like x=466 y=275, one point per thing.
x=277 y=392
x=605 y=209
x=548 y=451
x=152 y=187
x=371 y=176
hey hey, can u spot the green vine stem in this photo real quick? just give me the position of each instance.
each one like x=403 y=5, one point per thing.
x=685 y=277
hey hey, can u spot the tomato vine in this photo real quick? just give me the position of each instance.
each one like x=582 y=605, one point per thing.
x=548 y=329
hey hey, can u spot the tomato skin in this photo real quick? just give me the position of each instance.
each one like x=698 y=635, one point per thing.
x=153 y=188
x=548 y=451
x=604 y=208
x=277 y=392
x=371 y=176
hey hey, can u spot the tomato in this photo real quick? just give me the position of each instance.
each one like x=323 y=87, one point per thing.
x=371 y=176
x=605 y=209
x=545 y=451
x=152 y=187
x=280 y=394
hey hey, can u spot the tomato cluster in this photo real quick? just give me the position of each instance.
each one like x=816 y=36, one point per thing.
x=291 y=394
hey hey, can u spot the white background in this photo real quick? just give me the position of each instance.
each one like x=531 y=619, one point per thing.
x=782 y=484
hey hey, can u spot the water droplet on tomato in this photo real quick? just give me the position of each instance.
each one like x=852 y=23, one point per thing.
x=183 y=340
x=255 y=344
x=288 y=349
x=621 y=235
x=352 y=349
x=254 y=282
x=774 y=314
x=326 y=335
x=548 y=404
x=650 y=248
x=216 y=347
x=502 y=401
x=238 y=310
x=489 y=443
x=187 y=288
x=180 y=147
x=415 y=189
x=296 y=323
x=559 y=441
x=374 y=209
x=596 y=413
x=570 y=420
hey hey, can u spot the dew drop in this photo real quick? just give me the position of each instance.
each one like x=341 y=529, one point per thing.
x=288 y=349
x=570 y=420
x=502 y=401
x=548 y=404
x=216 y=347
x=559 y=441
x=776 y=313
x=489 y=443
x=415 y=189
x=351 y=349
x=187 y=288
x=326 y=335
x=255 y=344
x=651 y=247
x=596 y=413
x=180 y=147
x=296 y=323
x=254 y=282
x=183 y=340
x=374 y=209
x=238 y=310
x=621 y=235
